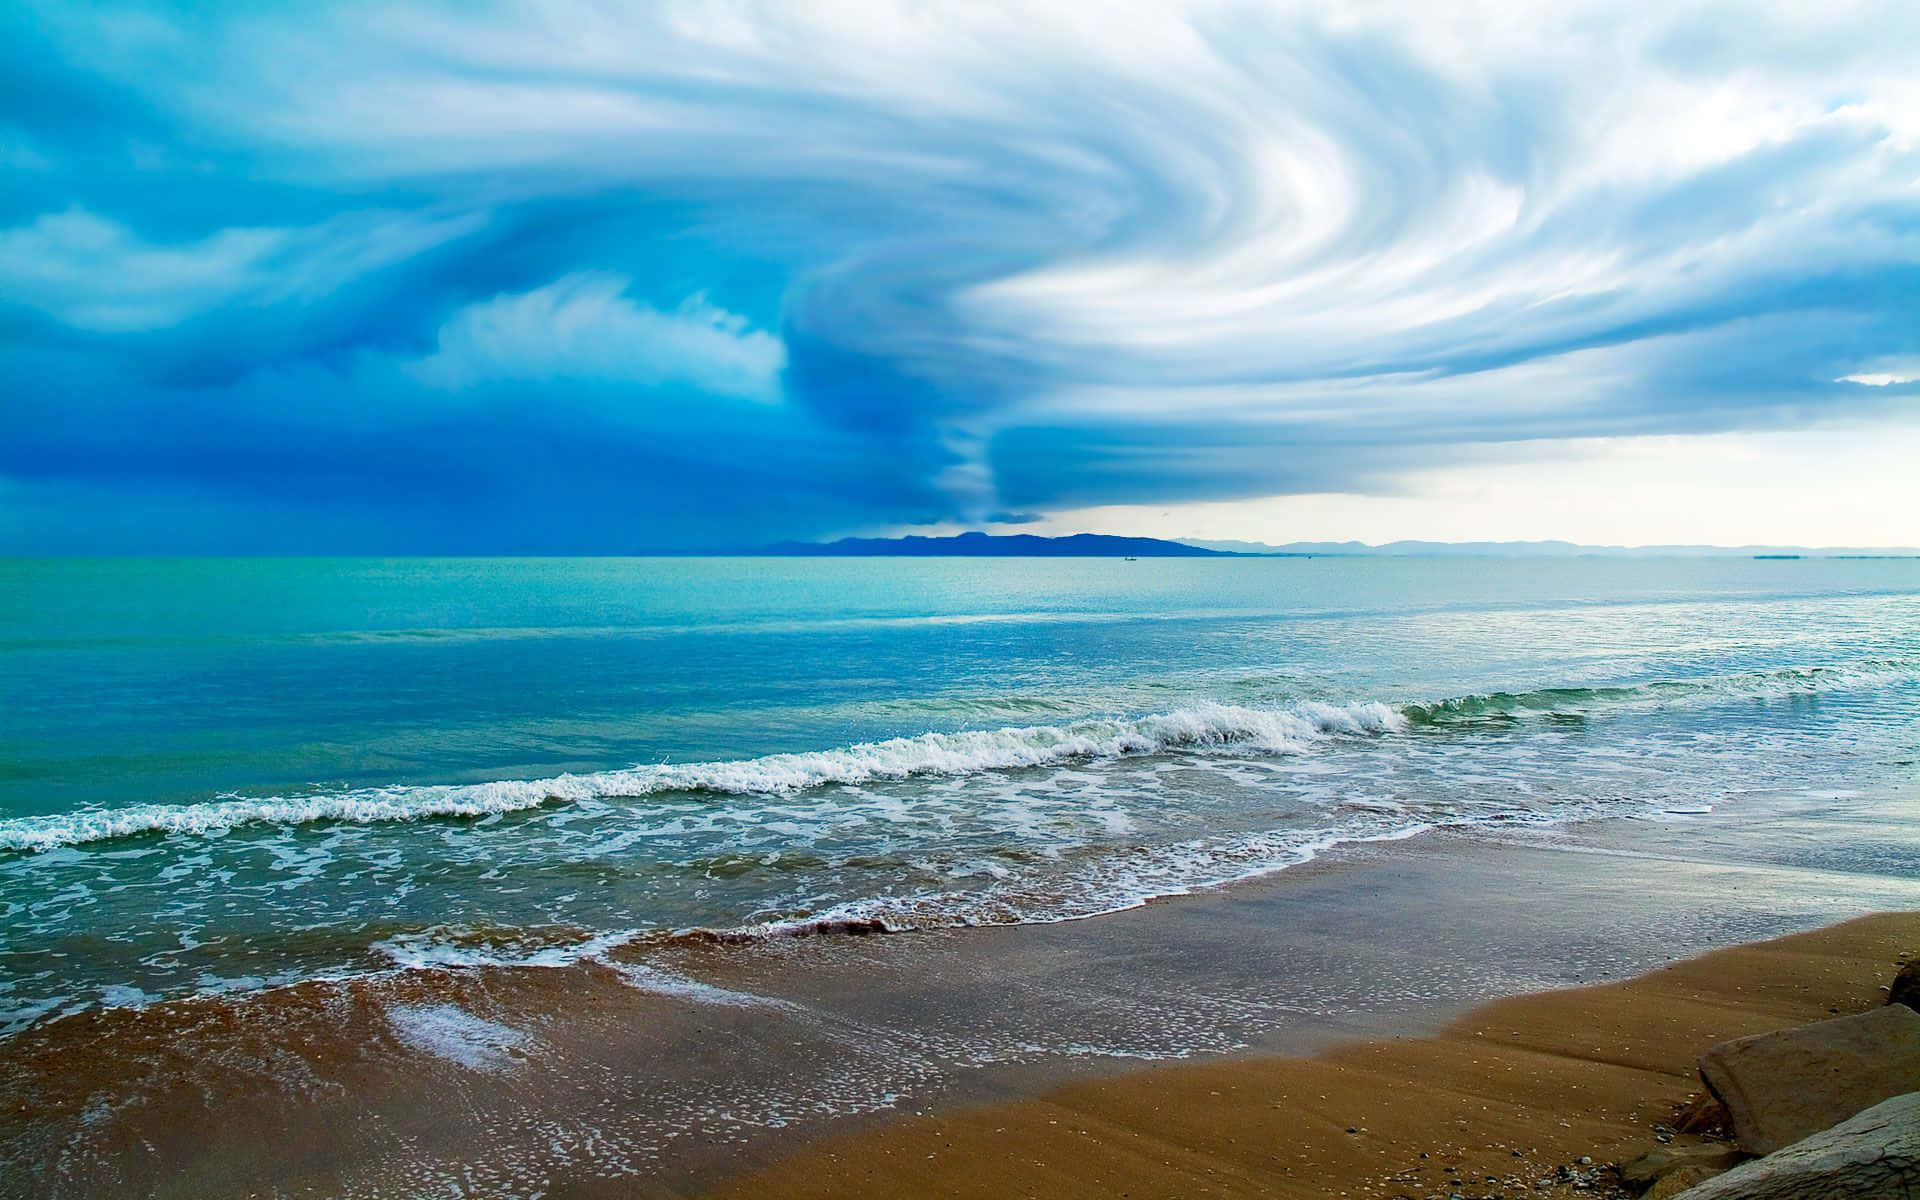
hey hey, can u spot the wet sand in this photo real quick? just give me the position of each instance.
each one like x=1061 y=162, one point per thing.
x=1495 y=1103
x=673 y=1071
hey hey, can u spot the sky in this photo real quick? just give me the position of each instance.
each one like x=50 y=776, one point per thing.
x=600 y=278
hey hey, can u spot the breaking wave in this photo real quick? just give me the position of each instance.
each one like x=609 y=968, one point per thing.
x=1204 y=728
x=1753 y=685
x=1201 y=728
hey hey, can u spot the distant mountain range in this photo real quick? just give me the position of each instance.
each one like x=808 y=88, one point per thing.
x=986 y=545
x=1104 y=545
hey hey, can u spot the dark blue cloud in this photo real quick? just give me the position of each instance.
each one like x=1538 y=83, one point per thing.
x=329 y=278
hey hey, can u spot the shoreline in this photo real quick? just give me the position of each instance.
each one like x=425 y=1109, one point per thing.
x=688 y=1068
x=1501 y=1100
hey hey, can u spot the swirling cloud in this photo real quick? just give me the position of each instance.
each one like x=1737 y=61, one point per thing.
x=967 y=258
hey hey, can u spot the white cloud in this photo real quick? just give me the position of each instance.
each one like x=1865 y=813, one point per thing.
x=1183 y=195
x=583 y=327
x=1223 y=192
x=96 y=274
x=1890 y=376
x=1433 y=224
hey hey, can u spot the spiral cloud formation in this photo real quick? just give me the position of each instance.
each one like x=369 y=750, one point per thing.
x=577 y=276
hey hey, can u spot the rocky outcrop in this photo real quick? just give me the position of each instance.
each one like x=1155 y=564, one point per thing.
x=1703 y=1116
x=1695 y=1163
x=1906 y=986
x=1676 y=1182
x=1872 y=1156
x=1781 y=1087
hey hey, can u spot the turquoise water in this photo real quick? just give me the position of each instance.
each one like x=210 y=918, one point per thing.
x=217 y=775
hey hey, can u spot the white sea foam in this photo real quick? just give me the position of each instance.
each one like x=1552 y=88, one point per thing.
x=448 y=947
x=1112 y=885
x=1663 y=693
x=449 y=1032
x=452 y=948
x=1201 y=728
x=666 y=983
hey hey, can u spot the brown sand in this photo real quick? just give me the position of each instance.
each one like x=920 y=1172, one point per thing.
x=1495 y=1103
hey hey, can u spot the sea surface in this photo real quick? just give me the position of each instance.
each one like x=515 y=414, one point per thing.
x=223 y=776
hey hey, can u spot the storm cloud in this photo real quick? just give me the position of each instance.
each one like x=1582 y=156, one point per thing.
x=581 y=277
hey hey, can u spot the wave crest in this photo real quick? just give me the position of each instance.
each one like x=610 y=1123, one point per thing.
x=970 y=752
x=1754 y=685
x=1202 y=728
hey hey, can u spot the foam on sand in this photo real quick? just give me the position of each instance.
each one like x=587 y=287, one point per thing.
x=450 y=1032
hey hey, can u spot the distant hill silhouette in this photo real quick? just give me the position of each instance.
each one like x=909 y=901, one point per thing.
x=984 y=545
x=1106 y=545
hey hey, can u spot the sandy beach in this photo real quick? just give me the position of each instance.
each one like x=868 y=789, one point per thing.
x=1496 y=1103
x=1002 y=1061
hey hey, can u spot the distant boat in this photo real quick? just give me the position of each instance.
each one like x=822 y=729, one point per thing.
x=1131 y=558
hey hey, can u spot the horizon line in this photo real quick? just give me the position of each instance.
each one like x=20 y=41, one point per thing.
x=1352 y=547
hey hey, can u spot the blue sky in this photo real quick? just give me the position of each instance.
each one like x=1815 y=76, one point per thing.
x=575 y=277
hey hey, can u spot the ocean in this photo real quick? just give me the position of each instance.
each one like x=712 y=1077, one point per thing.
x=220 y=777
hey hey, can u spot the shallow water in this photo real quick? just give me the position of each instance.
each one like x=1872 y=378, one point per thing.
x=655 y=1071
x=217 y=776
